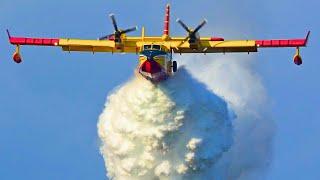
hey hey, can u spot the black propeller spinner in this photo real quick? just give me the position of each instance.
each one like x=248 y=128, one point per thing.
x=117 y=32
x=192 y=34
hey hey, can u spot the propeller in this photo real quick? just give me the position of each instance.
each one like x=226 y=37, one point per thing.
x=117 y=32
x=191 y=33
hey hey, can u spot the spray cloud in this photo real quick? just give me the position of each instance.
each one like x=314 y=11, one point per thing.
x=206 y=122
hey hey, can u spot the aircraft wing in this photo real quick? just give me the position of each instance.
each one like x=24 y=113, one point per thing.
x=219 y=45
x=177 y=44
x=130 y=46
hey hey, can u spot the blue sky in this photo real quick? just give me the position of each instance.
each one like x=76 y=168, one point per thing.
x=51 y=102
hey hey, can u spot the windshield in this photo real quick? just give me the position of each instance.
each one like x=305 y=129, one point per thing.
x=156 y=47
x=151 y=47
x=147 y=47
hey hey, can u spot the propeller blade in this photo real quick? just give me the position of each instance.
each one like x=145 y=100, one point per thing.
x=183 y=25
x=107 y=37
x=114 y=22
x=129 y=30
x=117 y=32
x=200 y=26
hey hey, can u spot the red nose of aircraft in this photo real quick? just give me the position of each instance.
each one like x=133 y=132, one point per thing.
x=150 y=66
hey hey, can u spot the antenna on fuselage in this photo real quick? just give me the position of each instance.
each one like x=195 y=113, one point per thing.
x=166 y=29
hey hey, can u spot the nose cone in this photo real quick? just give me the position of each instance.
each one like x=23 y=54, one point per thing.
x=152 y=71
x=151 y=67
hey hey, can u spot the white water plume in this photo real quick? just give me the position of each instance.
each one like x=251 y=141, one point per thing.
x=184 y=127
x=233 y=78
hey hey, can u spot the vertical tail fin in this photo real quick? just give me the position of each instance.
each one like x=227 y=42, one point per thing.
x=167 y=22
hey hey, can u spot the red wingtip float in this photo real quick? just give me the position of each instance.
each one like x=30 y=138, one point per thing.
x=297 y=59
x=155 y=52
x=16 y=57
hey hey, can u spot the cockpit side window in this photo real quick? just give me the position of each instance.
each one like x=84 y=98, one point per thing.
x=146 y=47
x=156 y=47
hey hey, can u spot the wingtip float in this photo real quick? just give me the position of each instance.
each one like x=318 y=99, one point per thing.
x=155 y=52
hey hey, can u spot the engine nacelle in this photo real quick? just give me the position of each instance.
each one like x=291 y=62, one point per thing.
x=297 y=59
x=17 y=57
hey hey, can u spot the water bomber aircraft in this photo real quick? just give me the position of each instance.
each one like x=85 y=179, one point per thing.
x=155 y=52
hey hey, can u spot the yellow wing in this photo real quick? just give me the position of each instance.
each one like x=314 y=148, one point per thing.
x=127 y=46
x=176 y=44
x=212 y=45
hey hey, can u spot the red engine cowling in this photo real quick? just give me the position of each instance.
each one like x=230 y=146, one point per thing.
x=297 y=59
x=17 y=58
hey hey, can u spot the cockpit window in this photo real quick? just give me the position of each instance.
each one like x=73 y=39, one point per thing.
x=151 y=47
x=156 y=47
x=147 y=47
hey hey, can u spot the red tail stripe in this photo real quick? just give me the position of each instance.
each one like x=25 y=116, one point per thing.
x=166 y=21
